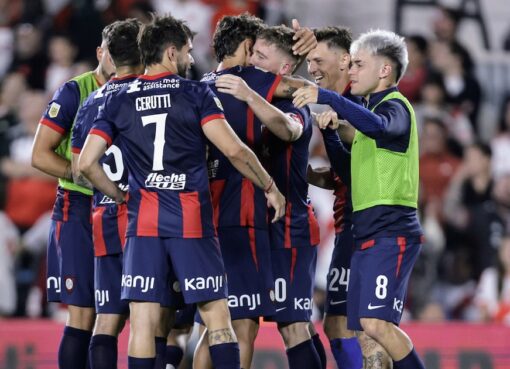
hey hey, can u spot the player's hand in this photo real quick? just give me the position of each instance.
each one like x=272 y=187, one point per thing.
x=234 y=85
x=305 y=95
x=327 y=119
x=275 y=200
x=304 y=38
x=120 y=197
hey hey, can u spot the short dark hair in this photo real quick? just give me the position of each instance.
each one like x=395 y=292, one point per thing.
x=281 y=37
x=482 y=147
x=122 y=42
x=159 y=34
x=231 y=30
x=421 y=42
x=106 y=31
x=339 y=37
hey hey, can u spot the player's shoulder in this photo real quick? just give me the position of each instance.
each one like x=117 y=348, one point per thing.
x=198 y=88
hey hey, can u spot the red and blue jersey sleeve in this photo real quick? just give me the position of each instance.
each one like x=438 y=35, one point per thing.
x=103 y=127
x=84 y=120
x=62 y=108
x=211 y=107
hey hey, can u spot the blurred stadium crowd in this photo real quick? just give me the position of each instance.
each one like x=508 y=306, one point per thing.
x=464 y=269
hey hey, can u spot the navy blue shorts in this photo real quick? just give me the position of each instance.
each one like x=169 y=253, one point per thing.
x=107 y=280
x=185 y=317
x=247 y=257
x=380 y=271
x=70 y=263
x=294 y=273
x=156 y=268
x=338 y=275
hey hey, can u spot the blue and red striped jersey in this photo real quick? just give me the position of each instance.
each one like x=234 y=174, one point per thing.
x=287 y=163
x=59 y=116
x=158 y=120
x=236 y=201
x=62 y=108
x=108 y=219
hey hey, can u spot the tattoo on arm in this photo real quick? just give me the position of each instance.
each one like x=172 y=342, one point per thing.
x=68 y=173
x=289 y=90
x=220 y=336
x=80 y=180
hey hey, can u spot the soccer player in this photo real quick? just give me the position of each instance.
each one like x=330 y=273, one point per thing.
x=328 y=64
x=293 y=239
x=240 y=209
x=163 y=121
x=384 y=177
x=70 y=274
x=109 y=220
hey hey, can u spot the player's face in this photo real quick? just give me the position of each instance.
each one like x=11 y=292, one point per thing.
x=325 y=65
x=184 y=59
x=268 y=57
x=105 y=62
x=364 y=73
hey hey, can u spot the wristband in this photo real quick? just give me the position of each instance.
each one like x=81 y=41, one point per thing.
x=266 y=190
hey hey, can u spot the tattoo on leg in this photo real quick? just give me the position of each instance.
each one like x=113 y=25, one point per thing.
x=374 y=361
x=219 y=336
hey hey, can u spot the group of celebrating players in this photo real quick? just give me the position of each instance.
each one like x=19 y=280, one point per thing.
x=182 y=201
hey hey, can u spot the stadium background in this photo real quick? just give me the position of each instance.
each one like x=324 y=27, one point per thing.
x=458 y=310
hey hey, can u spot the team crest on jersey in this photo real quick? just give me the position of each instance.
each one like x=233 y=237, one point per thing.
x=53 y=110
x=218 y=103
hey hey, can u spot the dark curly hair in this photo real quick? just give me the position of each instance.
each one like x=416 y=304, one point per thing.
x=339 y=37
x=122 y=42
x=231 y=31
x=162 y=32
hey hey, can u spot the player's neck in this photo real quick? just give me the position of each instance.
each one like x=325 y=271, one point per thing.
x=231 y=62
x=158 y=69
x=342 y=83
x=129 y=70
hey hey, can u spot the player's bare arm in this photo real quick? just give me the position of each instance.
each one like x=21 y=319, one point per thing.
x=78 y=177
x=88 y=164
x=219 y=132
x=320 y=177
x=289 y=85
x=44 y=156
x=280 y=124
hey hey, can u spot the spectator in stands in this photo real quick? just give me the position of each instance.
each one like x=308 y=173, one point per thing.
x=9 y=240
x=446 y=25
x=437 y=164
x=433 y=104
x=417 y=70
x=470 y=190
x=30 y=57
x=11 y=88
x=462 y=87
x=492 y=298
x=501 y=143
x=30 y=193
x=62 y=53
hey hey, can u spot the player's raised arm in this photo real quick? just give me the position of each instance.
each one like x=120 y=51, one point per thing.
x=245 y=161
x=88 y=164
x=280 y=124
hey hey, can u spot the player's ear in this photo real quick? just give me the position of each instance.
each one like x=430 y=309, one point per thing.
x=386 y=70
x=345 y=61
x=99 y=53
x=172 y=53
x=248 y=47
